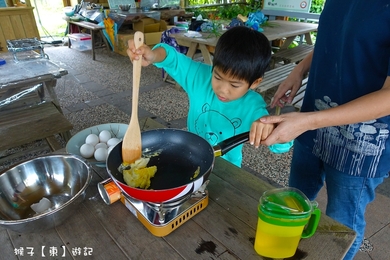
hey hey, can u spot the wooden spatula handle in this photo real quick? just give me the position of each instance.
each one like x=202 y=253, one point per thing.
x=131 y=146
x=137 y=65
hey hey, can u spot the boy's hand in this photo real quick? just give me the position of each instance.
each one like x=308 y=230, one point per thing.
x=147 y=54
x=259 y=132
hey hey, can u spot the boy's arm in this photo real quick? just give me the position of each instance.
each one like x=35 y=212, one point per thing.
x=189 y=74
x=258 y=132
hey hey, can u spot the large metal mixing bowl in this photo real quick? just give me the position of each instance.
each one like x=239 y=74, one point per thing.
x=62 y=179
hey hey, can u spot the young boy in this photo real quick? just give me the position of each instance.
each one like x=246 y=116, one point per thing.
x=222 y=102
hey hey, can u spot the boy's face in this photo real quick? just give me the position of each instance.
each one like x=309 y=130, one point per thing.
x=228 y=88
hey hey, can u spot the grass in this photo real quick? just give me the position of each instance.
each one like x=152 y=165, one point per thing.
x=49 y=17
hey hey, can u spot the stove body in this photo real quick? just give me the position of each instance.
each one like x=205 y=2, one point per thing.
x=162 y=219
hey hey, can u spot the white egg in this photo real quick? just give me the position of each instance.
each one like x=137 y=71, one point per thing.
x=113 y=141
x=92 y=139
x=110 y=149
x=104 y=145
x=104 y=136
x=101 y=154
x=87 y=150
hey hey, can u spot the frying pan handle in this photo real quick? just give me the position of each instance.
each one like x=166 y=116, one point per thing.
x=230 y=143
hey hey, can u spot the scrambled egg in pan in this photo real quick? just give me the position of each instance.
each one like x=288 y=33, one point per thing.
x=196 y=173
x=138 y=176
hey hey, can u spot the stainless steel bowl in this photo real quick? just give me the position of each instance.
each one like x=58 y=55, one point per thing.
x=62 y=179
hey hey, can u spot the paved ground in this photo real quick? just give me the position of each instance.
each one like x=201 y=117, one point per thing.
x=97 y=92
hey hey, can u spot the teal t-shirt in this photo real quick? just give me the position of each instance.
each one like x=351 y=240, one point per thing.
x=209 y=117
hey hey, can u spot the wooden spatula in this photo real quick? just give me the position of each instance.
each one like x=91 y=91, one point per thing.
x=131 y=146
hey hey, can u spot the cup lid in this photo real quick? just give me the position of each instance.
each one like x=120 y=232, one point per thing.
x=287 y=203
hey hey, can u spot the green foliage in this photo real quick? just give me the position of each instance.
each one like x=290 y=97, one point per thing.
x=231 y=11
x=202 y=11
x=317 y=6
x=48 y=15
x=201 y=2
x=226 y=12
x=244 y=8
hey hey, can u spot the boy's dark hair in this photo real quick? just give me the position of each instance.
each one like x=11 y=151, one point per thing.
x=242 y=53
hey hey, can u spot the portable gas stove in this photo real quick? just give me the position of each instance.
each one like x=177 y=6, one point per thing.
x=162 y=219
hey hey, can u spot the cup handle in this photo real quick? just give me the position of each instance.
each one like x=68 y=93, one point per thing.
x=312 y=224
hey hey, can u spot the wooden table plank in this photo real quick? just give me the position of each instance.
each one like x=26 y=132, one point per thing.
x=231 y=231
x=239 y=191
x=125 y=229
x=237 y=202
x=41 y=244
x=84 y=230
x=6 y=246
x=191 y=243
x=225 y=229
x=42 y=121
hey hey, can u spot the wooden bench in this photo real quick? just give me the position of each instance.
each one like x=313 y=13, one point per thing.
x=296 y=103
x=292 y=55
x=28 y=124
x=274 y=77
x=298 y=99
x=94 y=28
x=29 y=106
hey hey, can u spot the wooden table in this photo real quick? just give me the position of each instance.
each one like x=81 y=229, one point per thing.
x=225 y=229
x=136 y=14
x=279 y=30
x=29 y=107
x=94 y=29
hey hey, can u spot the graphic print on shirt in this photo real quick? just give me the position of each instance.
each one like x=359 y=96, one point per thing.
x=349 y=148
x=212 y=119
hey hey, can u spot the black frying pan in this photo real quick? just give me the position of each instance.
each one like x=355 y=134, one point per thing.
x=180 y=153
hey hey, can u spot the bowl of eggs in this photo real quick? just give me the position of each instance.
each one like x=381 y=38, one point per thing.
x=94 y=143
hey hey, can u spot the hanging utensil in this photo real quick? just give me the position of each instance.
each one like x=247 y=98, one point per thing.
x=131 y=146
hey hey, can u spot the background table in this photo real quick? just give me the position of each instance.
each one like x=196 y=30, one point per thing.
x=225 y=229
x=136 y=14
x=279 y=30
x=29 y=107
x=94 y=29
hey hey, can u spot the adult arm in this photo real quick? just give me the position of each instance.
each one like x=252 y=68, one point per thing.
x=292 y=83
x=367 y=107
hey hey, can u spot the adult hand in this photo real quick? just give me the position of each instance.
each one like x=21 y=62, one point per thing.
x=287 y=89
x=289 y=126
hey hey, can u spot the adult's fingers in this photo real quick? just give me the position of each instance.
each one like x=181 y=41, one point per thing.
x=271 y=119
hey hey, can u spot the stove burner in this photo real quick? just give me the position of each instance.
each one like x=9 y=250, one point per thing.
x=169 y=204
x=162 y=218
